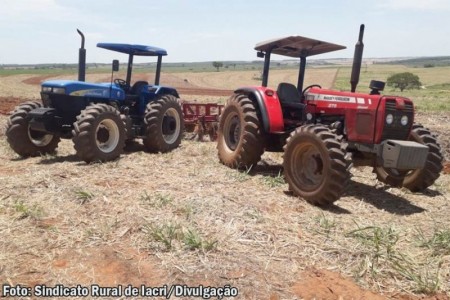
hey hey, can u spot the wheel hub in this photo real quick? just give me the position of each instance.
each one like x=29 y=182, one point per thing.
x=169 y=125
x=38 y=138
x=107 y=135
x=103 y=135
x=232 y=135
x=308 y=166
x=314 y=165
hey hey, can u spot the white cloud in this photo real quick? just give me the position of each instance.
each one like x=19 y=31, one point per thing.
x=433 y=5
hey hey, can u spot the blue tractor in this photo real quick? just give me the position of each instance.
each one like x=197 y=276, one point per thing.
x=100 y=117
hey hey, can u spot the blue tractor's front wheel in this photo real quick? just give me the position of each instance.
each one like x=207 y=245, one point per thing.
x=99 y=133
x=25 y=141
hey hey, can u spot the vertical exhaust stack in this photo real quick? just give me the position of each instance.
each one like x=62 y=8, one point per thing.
x=357 y=59
x=81 y=59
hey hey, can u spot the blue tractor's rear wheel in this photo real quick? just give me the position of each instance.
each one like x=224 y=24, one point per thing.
x=164 y=124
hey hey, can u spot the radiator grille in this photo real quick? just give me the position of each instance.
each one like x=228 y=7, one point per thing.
x=397 y=131
x=67 y=107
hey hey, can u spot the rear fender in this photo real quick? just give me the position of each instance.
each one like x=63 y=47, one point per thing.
x=269 y=107
x=154 y=92
x=164 y=90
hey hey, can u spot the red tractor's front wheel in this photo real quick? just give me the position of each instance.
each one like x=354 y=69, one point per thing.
x=419 y=179
x=240 y=141
x=316 y=165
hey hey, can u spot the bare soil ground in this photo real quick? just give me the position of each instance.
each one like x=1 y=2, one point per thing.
x=182 y=217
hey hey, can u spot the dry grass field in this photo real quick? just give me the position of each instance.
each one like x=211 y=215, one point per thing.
x=183 y=218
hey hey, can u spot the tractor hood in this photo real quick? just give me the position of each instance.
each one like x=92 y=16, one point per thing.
x=83 y=89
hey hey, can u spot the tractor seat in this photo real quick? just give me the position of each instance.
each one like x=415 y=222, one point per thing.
x=137 y=87
x=289 y=96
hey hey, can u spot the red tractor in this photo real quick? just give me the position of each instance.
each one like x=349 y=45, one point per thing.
x=324 y=132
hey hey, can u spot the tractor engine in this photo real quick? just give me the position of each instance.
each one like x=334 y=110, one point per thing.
x=63 y=100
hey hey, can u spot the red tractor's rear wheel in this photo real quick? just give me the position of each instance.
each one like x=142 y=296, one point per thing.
x=419 y=179
x=316 y=165
x=240 y=138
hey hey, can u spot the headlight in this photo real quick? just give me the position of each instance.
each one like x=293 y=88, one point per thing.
x=59 y=90
x=389 y=119
x=404 y=120
x=46 y=89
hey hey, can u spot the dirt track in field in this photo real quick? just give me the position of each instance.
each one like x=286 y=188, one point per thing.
x=212 y=83
x=71 y=223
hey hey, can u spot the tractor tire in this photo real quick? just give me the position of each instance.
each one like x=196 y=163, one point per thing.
x=164 y=124
x=99 y=133
x=240 y=140
x=419 y=179
x=316 y=164
x=25 y=141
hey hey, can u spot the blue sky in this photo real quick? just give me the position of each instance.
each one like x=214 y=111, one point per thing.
x=44 y=31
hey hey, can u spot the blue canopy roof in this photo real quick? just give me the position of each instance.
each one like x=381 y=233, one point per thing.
x=140 y=50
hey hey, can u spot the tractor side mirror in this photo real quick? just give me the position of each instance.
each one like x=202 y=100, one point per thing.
x=260 y=54
x=115 y=65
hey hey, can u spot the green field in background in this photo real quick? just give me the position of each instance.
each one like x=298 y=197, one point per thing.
x=433 y=96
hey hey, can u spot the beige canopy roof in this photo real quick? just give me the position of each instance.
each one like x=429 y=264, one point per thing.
x=297 y=46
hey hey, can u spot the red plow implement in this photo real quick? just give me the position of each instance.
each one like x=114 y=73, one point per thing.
x=201 y=119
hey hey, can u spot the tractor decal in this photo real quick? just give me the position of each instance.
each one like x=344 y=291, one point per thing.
x=92 y=93
x=324 y=97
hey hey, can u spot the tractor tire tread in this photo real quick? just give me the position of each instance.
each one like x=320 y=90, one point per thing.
x=338 y=173
x=83 y=129
x=17 y=134
x=420 y=179
x=154 y=141
x=251 y=146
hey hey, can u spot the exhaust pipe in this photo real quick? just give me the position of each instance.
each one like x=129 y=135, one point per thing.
x=357 y=59
x=81 y=59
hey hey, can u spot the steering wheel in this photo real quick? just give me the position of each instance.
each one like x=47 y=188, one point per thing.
x=120 y=82
x=308 y=87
